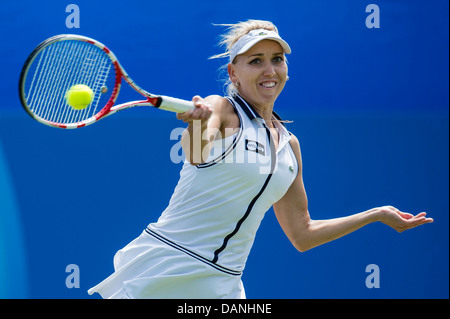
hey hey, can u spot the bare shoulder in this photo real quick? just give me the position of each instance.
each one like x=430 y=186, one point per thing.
x=223 y=109
x=295 y=144
x=218 y=102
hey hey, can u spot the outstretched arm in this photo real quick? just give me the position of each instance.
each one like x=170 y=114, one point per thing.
x=305 y=233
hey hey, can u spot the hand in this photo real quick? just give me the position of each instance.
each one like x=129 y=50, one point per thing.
x=201 y=112
x=401 y=221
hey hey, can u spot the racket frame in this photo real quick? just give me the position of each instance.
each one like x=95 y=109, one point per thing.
x=158 y=101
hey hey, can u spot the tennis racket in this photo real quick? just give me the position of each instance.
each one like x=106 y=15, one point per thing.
x=63 y=61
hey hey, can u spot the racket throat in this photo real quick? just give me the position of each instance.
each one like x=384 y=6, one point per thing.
x=155 y=101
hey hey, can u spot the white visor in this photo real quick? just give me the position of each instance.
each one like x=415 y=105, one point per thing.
x=250 y=39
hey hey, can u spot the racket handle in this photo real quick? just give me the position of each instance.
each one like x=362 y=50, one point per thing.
x=175 y=105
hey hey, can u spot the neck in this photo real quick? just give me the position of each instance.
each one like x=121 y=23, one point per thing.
x=265 y=111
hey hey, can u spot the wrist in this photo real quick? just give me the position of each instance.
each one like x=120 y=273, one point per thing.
x=377 y=214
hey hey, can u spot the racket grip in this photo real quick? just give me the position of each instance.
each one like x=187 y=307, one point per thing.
x=175 y=105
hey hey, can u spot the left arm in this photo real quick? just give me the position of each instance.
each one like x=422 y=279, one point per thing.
x=305 y=233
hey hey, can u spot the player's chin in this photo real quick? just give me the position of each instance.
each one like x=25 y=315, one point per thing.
x=270 y=95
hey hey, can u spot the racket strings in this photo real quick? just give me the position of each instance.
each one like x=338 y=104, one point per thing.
x=69 y=71
x=66 y=71
x=56 y=69
x=49 y=79
x=37 y=88
x=87 y=74
x=100 y=81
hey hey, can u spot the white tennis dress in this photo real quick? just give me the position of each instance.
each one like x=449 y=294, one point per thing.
x=199 y=246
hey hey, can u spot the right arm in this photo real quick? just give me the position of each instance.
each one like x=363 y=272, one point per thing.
x=205 y=123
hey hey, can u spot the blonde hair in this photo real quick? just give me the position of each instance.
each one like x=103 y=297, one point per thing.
x=233 y=34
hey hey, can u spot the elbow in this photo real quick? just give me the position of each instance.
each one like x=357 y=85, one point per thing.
x=194 y=158
x=301 y=249
x=194 y=163
x=303 y=241
x=301 y=246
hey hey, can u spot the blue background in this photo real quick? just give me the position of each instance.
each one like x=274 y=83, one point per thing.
x=370 y=108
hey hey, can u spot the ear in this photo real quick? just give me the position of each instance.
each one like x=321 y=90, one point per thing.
x=232 y=73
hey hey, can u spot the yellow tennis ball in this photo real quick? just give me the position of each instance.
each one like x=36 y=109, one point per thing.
x=79 y=96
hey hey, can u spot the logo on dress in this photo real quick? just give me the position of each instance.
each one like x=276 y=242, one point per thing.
x=254 y=147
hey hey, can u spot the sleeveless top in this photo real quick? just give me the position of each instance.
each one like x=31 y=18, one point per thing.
x=217 y=206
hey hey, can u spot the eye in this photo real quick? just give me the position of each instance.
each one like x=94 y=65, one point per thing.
x=278 y=59
x=255 y=61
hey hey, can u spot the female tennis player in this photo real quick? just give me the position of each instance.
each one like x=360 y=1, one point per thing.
x=240 y=161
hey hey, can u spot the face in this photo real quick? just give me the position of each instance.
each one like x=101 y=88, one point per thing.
x=261 y=73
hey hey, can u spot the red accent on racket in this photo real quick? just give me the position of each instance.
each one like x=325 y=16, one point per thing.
x=63 y=61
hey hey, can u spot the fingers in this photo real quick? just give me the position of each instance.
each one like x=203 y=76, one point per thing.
x=405 y=215
x=402 y=221
x=417 y=220
x=202 y=111
x=421 y=217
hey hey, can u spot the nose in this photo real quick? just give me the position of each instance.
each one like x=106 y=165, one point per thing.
x=269 y=70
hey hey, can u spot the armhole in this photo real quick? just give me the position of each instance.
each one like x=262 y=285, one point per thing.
x=233 y=144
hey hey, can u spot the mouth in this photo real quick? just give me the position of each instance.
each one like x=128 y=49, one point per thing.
x=268 y=84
